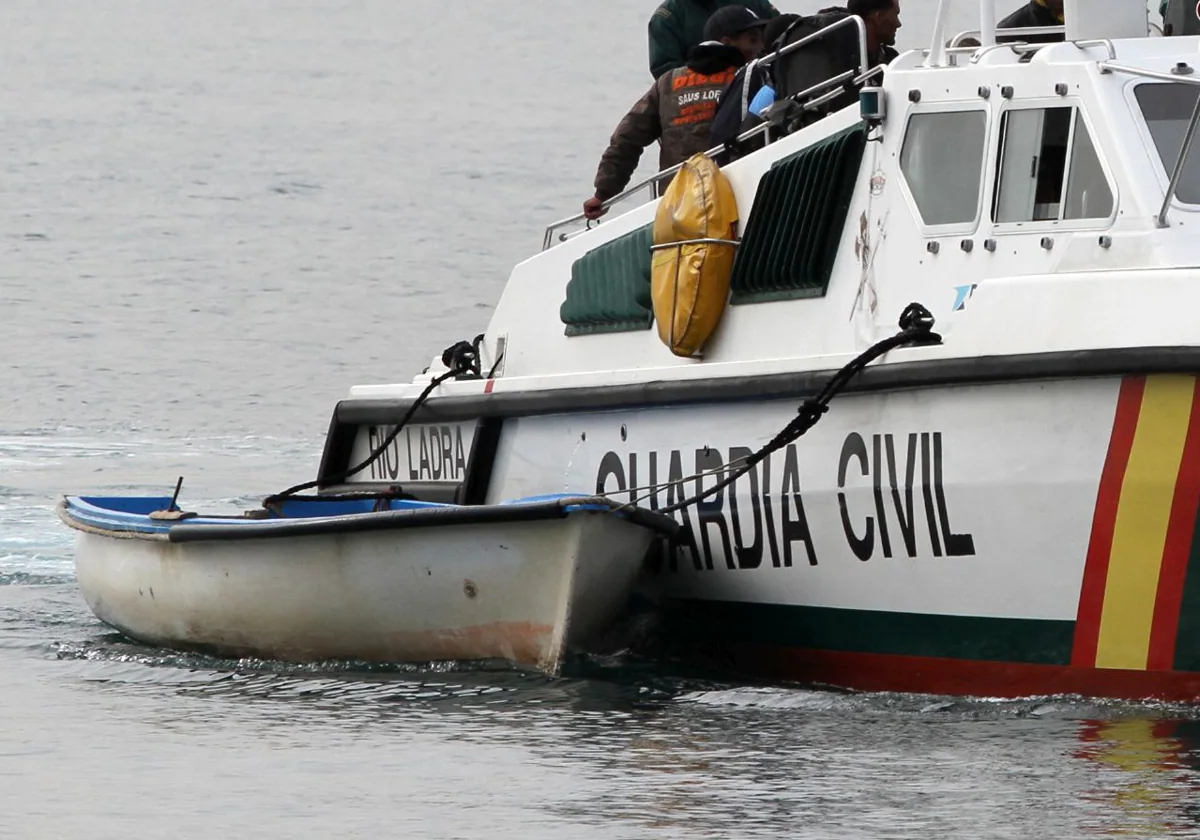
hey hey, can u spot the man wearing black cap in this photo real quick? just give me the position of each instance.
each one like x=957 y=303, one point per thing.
x=678 y=25
x=678 y=110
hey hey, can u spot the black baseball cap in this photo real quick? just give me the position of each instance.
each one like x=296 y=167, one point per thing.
x=730 y=22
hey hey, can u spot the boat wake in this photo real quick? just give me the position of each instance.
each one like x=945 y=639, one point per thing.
x=617 y=681
x=48 y=578
x=600 y=683
x=821 y=700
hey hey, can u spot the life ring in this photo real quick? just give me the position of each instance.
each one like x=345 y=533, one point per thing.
x=695 y=242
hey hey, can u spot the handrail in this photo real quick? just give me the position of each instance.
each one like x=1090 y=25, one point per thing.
x=980 y=52
x=1022 y=47
x=1019 y=47
x=548 y=239
x=863 y=59
x=750 y=134
x=957 y=40
x=864 y=72
x=1099 y=42
x=1114 y=67
x=1185 y=150
x=707 y=240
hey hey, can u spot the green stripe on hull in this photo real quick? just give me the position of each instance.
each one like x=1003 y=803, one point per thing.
x=1187 y=643
x=1034 y=641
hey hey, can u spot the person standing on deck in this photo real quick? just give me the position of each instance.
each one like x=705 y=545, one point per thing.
x=678 y=25
x=745 y=99
x=738 y=100
x=882 y=19
x=678 y=109
x=1034 y=13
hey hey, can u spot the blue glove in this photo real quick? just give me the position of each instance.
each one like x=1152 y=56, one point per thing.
x=762 y=100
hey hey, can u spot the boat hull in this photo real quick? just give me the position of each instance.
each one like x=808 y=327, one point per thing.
x=1006 y=539
x=527 y=592
x=701 y=634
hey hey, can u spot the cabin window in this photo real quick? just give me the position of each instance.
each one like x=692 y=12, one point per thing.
x=1049 y=170
x=1168 y=110
x=942 y=162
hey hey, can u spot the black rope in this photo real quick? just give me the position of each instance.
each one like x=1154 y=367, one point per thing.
x=916 y=327
x=496 y=364
x=462 y=359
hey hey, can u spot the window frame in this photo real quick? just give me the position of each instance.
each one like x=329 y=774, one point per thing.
x=997 y=159
x=1143 y=128
x=959 y=106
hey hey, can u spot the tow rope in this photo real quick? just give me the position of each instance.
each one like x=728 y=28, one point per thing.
x=916 y=328
x=462 y=361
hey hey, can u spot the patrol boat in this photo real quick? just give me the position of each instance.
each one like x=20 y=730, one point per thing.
x=1008 y=508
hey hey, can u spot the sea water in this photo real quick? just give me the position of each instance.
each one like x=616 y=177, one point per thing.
x=218 y=216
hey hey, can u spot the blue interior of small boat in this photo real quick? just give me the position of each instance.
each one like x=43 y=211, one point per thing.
x=291 y=508
x=132 y=513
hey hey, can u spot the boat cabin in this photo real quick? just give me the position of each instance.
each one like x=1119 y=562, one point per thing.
x=989 y=163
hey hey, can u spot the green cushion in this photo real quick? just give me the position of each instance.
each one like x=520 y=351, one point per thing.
x=609 y=289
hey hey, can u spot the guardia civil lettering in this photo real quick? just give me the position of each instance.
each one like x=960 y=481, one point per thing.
x=888 y=497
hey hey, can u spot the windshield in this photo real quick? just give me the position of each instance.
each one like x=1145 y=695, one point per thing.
x=1168 y=110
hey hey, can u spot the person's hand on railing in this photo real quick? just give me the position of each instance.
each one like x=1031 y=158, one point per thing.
x=594 y=208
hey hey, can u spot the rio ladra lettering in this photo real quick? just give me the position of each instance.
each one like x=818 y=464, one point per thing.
x=773 y=524
x=418 y=453
x=765 y=517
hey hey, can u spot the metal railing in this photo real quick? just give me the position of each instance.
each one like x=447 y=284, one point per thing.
x=976 y=34
x=1023 y=48
x=1099 y=42
x=864 y=72
x=1185 y=150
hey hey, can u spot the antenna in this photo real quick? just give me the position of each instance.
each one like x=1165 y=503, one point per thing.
x=987 y=23
x=937 y=50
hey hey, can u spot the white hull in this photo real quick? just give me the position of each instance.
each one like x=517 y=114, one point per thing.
x=527 y=592
x=1015 y=537
x=991 y=515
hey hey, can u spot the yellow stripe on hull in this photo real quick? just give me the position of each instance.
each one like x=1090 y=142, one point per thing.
x=1143 y=515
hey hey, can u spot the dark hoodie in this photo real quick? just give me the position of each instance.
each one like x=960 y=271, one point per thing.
x=733 y=116
x=677 y=111
x=1031 y=14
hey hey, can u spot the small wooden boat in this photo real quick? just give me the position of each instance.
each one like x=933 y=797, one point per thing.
x=525 y=581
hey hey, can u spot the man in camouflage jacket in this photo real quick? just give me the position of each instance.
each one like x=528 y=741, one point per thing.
x=678 y=110
x=678 y=25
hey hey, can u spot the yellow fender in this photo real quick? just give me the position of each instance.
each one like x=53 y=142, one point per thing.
x=689 y=283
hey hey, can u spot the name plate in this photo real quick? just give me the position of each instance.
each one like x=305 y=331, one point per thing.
x=426 y=453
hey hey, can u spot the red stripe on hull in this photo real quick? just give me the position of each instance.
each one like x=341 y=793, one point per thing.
x=926 y=675
x=1091 y=597
x=1178 y=549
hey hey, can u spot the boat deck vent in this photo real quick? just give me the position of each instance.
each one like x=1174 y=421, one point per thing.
x=794 y=230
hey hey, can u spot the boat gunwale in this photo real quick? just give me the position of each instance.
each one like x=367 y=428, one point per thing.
x=254 y=529
x=660 y=393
